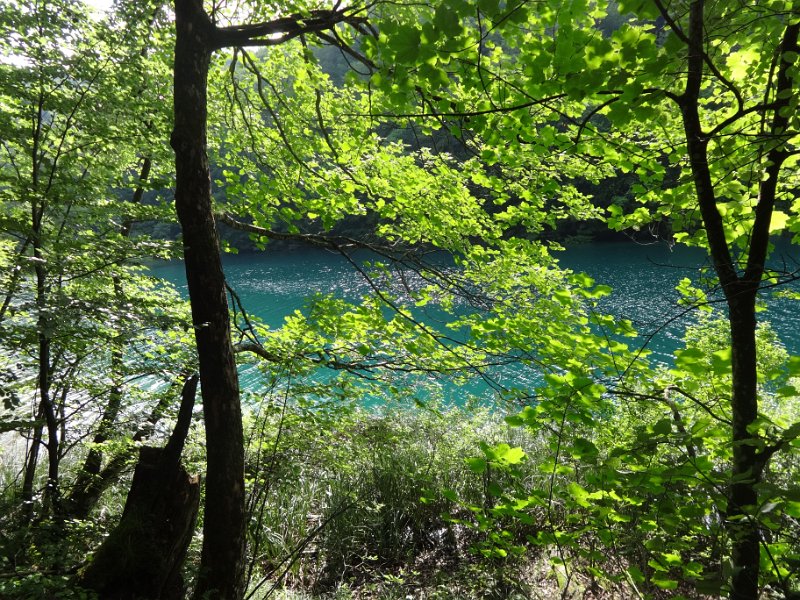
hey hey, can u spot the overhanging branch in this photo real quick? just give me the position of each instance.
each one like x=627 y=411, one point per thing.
x=280 y=30
x=337 y=243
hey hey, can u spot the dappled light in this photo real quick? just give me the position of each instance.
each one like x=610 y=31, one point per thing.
x=447 y=299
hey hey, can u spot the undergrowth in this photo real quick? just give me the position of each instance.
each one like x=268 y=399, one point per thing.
x=363 y=500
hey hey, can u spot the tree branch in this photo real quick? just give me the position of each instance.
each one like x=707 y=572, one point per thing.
x=337 y=243
x=774 y=159
x=280 y=30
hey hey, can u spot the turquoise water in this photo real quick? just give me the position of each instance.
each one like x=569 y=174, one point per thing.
x=644 y=279
x=273 y=284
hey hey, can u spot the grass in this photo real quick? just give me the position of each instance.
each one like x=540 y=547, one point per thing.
x=359 y=500
x=347 y=503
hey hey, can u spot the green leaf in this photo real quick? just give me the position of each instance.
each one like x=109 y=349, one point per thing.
x=489 y=7
x=584 y=449
x=517 y=420
x=790 y=56
x=579 y=494
x=663 y=582
x=691 y=360
x=450 y=495
x=645 y=9
x=663 y=427
x=778 y=221
x=793 y=366
x=447 y=20
x=494 y=489
x=721 y=362
x=406 y=44
x=477 y=465
x=636 y=575
x=513 y=456
x=792 y=508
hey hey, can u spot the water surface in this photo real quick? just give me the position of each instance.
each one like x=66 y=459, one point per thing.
x=275 y=283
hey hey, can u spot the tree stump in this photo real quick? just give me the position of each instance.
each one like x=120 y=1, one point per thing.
x=143 y=555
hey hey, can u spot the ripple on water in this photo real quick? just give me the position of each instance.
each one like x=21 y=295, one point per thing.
x=274 y=284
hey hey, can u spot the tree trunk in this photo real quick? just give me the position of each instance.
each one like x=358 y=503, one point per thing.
x=142 y=557
x=87 y=490
x=46 y=411
x=742 y=525
x=89 y=486
x=740 y=293
x=222 y=561
x=31 y=464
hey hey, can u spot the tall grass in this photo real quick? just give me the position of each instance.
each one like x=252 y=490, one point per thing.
x=351 y=495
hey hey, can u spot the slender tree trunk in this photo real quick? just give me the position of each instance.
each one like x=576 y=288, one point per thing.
x=48 y=410
x=222 y=561
x=45 y=416
x=743 y=496
x=740 y=295
x=89 y=486
x=31 y=464
x=741 y=291
x=86 y=491
x=84 y=497
x=748 y=461
x=197 y=37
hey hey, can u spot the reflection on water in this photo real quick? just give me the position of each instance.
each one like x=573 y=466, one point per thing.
x=272 y=285
x=643 y=279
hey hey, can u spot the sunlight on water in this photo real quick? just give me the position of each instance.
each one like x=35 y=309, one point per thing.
x=273 y=285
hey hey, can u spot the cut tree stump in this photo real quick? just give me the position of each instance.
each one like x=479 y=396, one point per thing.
x=142 y=557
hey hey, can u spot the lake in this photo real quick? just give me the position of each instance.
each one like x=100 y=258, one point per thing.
x=273 y=284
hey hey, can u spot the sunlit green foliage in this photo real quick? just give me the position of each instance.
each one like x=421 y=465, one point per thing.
x=530 y=88
x=86 y=326
x=440 y=169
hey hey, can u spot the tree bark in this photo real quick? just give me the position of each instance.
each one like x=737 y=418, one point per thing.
x=741 y=291
x=87 y=490
x=197 y=37
x=142 y=557
x=89 y=485
x=743 y=496
x=741 y=297
x=46 y=410
x=221 y=566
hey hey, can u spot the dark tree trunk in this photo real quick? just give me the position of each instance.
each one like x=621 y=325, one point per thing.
x=222 y=562
x=197 y=37
x=741 y=296
x=83 y=498
x=88 y=489
x=142 y=557
x=745 y=476
x=741 y=291
x=46 y=411
x=31 y=463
